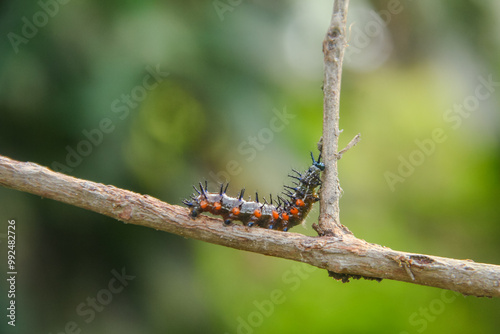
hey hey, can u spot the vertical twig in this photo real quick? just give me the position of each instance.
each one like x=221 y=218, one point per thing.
x=333 y=50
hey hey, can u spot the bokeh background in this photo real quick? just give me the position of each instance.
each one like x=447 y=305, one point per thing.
x=224 y=71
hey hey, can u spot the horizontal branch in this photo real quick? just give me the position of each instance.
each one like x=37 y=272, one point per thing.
x=345 y=255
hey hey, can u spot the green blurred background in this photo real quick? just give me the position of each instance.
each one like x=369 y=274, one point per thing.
x=84 y=70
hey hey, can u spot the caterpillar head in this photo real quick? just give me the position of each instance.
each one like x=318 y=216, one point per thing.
x=318 y=163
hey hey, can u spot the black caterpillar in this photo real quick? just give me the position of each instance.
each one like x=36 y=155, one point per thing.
x=283 y=216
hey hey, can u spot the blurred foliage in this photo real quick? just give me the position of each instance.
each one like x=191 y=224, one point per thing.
x=92 y=73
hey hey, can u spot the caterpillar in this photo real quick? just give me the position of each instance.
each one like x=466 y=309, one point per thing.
x=286 y=214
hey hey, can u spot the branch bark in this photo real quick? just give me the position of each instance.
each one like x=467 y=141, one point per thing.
x=333 y=49
x=344 y=255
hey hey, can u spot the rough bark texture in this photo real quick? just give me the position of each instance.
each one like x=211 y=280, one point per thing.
x=344 y=255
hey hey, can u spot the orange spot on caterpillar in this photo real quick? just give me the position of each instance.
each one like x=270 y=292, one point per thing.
x=257 y=213
x=299 y=202
x=276 y=215
x=217 y=206
x=294 y=211
x=285 y=216
x=235 y=211
x=203 y=204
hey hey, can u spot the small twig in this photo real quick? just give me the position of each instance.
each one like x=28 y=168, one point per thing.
x=333 y=50
x=351 y=144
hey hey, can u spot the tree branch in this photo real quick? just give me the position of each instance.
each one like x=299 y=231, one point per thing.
x=345 y=256
x=333 y=50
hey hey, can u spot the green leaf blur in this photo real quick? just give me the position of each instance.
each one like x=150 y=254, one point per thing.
x=154 y=96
